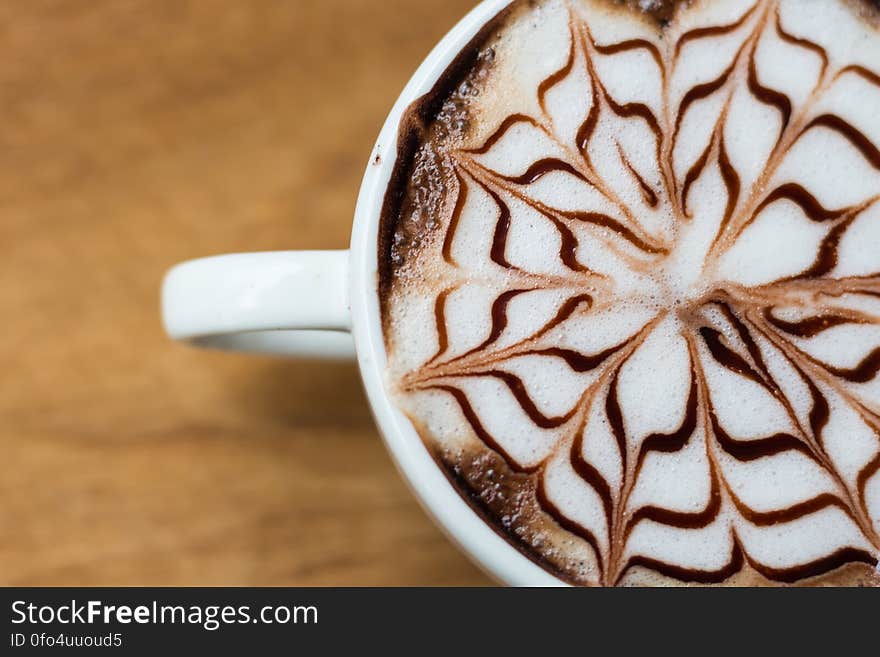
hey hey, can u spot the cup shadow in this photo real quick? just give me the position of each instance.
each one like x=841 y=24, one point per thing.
x=308 y=394
x=332 y=509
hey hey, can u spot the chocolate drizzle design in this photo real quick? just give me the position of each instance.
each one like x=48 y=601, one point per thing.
x=728 y=327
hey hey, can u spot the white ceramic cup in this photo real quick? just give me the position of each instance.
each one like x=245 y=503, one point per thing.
x=325 y=304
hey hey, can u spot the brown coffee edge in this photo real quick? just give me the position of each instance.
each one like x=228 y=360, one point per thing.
x=412 y=132
x=472 y=496
x=867 y=10
x=463 y=472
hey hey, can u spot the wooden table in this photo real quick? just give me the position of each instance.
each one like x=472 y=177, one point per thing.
x=138 y=133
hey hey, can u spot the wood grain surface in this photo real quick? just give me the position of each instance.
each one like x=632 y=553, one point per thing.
x=138 y=133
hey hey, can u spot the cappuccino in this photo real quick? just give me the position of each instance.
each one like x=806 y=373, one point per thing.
x=630 y=287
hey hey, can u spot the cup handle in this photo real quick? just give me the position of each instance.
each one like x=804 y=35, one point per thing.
x=292 y=303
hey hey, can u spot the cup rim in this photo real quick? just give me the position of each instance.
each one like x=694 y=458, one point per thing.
x=450 y=511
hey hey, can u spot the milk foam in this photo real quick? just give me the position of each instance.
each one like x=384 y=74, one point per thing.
x=650 y=297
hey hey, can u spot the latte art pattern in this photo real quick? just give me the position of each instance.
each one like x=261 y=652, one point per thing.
x=632 y=294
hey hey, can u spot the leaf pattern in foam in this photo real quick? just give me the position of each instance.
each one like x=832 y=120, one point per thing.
x=707 y=175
